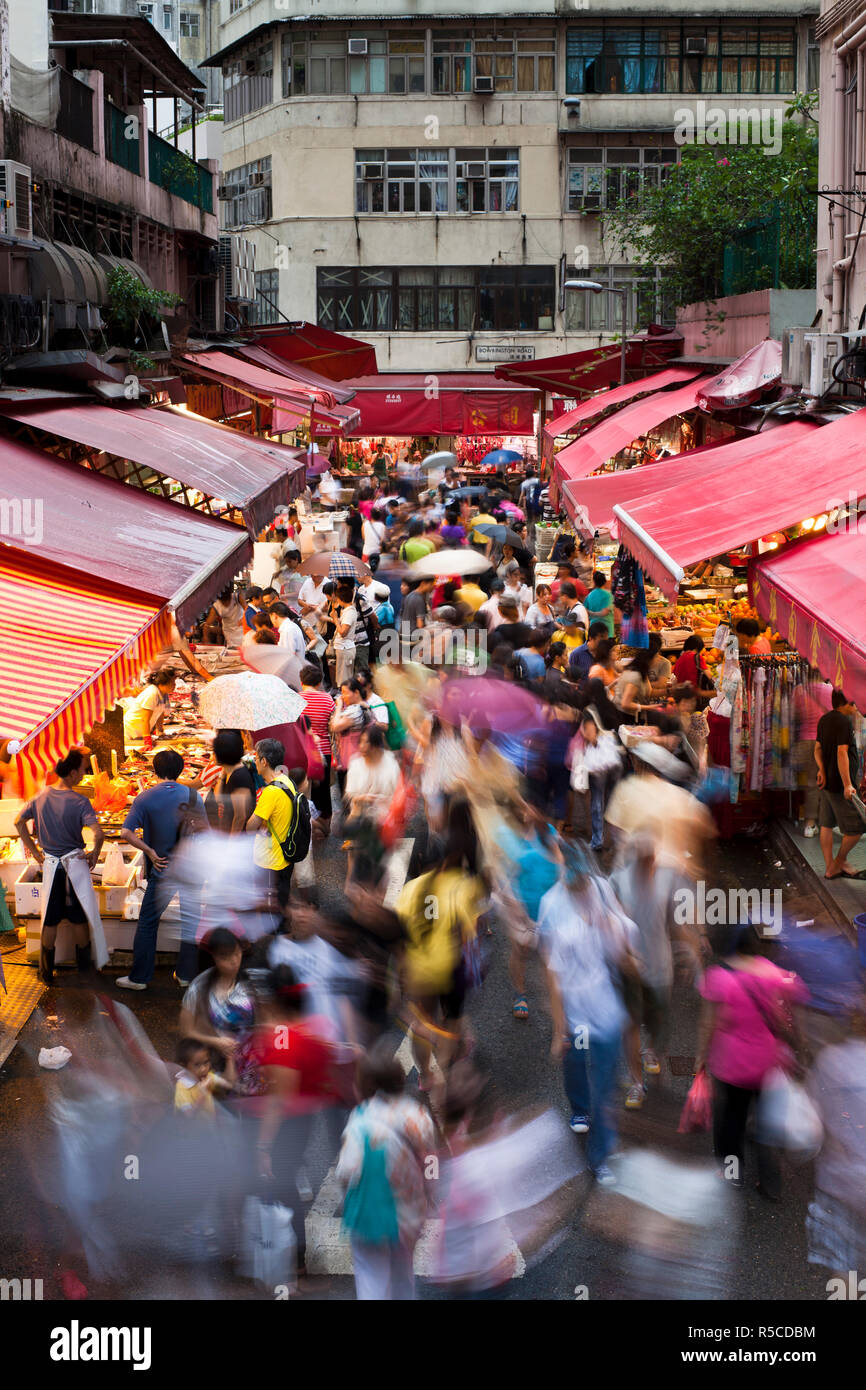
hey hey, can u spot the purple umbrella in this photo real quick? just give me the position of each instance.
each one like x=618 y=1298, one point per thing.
x=487 y=703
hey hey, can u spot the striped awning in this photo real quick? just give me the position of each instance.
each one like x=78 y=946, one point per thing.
x=71 y=646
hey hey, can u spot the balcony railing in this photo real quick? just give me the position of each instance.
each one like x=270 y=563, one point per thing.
x=250 y=94
x=75 y=114
x=178 y=174
x=122 y=139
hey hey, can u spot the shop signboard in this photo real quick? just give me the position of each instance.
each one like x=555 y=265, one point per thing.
x=501 y=352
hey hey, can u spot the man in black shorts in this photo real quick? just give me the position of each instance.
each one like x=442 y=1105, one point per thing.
x=836 y=756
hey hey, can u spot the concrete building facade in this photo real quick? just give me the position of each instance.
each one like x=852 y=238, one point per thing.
x=430 y=182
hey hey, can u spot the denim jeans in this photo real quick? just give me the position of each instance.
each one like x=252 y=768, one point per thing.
x=589 y=1074
x=158 y=894
x=599 y=790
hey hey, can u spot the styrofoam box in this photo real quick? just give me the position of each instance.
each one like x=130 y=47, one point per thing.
x=9 y=808
x=28 y=891
x=133 y=858
x=10 y=871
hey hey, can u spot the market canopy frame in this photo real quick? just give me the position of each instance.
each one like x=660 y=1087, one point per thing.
x=252 y=476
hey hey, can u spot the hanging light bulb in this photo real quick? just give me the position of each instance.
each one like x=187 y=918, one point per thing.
x=808 y=524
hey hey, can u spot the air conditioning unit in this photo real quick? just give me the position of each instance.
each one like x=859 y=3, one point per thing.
x=474 y=171
x=238 y=264
x=357 y=48
x=820 y=351
x=225 y=191
x=484 y=84
x=256 y=180
x=372 y=171
x=792 y=356
x=16 y=203
x=695 y=47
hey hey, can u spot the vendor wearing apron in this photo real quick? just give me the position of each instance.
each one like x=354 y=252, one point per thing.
x=68 y=900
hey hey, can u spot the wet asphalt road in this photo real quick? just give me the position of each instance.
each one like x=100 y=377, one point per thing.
x=768 y=1259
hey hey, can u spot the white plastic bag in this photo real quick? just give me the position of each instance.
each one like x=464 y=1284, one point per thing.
x=132 y=906
x=113 y=868
x=787 y=1119
x=268 y=1247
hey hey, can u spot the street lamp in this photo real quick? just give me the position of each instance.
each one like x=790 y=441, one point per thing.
x=596 y=288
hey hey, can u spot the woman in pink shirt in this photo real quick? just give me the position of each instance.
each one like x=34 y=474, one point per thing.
x=810 y=702
x=744 y=1035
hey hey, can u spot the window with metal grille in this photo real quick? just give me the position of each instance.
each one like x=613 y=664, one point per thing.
x=520 y=60
x=599 y=178
x=266 y=306
x=419 y=299
x=441 y=181
x=249 y=186
x=668 y=57
x=189 y=24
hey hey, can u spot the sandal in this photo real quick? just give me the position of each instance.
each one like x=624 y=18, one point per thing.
x=520 y=1007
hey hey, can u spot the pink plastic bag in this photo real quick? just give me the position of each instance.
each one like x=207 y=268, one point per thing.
x=698 y=1109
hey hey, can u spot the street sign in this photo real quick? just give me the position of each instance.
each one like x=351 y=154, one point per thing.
x=497 y=352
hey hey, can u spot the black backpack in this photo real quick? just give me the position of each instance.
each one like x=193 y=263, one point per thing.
x=296 y=845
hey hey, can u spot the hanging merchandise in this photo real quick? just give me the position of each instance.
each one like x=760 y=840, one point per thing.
x=763 y=743
x=629 y=596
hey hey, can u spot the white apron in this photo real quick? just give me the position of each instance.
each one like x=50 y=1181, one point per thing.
x=78 y=871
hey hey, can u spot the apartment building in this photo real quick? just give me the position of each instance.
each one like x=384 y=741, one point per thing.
x=841 y=32
x=431 y=182
x=87 y=186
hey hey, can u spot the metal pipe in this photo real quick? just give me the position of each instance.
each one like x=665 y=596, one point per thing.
x=172 y=88
x=652 y=546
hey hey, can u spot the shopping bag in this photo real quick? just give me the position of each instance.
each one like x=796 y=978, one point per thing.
x=698 y=1110
x=268 y=1246
x=787 y=1119
x=398 y=814
x=315 y=761
x=113 y=869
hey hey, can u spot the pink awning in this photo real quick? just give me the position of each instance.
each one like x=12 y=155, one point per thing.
x=333 y=355
x=253 y=476
x=294 y=371
x=590 y=501
x=681 y=525
x=746 y=380
x=609 y=436
x=605 y=400
x=810 y=592
x=573 y=372
x=470 y=403
x=118 y=534
x=292 y=400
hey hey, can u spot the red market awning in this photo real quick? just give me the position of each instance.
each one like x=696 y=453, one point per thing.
x=468 y=403
x=680 y=525
x=573 y=373
x=607 y=400
x=292 y=401
x=810 y=593
x=294 y=371
x=105 y=530
x=746 y=380
x=252 y=476
x=70 y=647
x=590 y=501
x=609 y=436
x=332 y=355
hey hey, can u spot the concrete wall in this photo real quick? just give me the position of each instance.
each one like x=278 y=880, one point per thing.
x=747 y=319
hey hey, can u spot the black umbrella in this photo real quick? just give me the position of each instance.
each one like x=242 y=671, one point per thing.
x=503 y=534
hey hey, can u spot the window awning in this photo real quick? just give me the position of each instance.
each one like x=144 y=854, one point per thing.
x=303 y=376
x=590 y=501
x=70 y=647
x=105 y=530
x=468 y=403
x=609 y=436
x=590 y=370
x=292 y=401
x=616 y=396
x=811 y=593
x=252 y=476
x=333 y=355
x=680 y=525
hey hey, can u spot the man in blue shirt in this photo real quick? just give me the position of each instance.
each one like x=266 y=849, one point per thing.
x=582 y=659
x=531 y=657
x=154 y=824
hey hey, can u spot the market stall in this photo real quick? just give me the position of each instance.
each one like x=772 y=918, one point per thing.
x=577 y=419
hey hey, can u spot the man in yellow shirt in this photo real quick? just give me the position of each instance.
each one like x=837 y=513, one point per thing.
x=272 y=818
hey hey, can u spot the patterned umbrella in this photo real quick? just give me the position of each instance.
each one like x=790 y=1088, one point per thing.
x=249 y=701
x=323 y=562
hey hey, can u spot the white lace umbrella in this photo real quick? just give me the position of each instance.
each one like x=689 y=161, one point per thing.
x=249 y=701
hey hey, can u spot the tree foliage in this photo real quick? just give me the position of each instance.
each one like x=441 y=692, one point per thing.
x=712 y=199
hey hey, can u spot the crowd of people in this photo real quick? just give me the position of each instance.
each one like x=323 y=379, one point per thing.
x=533 y=828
